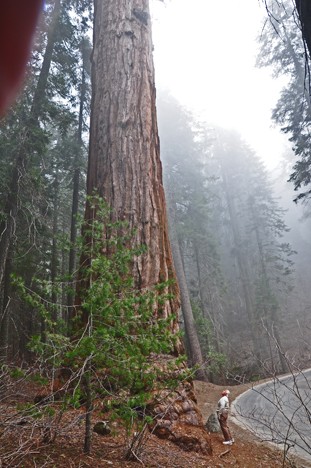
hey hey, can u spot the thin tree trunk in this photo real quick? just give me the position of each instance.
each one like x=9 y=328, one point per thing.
x=196 y=253
x=88 y=410
x=284 y=365
x=75 y=193
x=42 y=317
x=8 y=225
x=192 y=336
x=46 y=65
x=241 y=260
x=211 y=316
x=54 y=260
x=273 y=309
x=73 y=239
x=29 y=332
x=5 y=317
x=64 y=258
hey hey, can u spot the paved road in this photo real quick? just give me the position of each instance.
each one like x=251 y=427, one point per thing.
x=278 y=411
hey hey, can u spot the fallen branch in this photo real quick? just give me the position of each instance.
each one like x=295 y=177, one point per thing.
x=224 y=453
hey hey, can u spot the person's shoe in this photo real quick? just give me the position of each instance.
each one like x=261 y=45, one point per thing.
x=232 y=440
x=228 y=442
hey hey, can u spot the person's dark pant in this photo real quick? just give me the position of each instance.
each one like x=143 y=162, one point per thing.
x=224 y=427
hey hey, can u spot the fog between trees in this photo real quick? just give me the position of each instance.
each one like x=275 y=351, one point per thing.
x=244 y=258
x=235 y=245
x=123 y=275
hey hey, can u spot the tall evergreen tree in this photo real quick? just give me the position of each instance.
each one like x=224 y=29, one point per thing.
x=124 y=164
x=257 y=227
x=34 y=142
x=194 y=248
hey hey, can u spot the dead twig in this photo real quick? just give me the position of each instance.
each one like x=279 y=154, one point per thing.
x=135 y=456
x=224 y=453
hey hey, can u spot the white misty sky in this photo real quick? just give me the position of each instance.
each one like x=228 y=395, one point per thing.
x=205 y=54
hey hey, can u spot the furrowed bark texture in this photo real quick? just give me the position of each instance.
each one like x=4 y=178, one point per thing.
x=125 y=168
x=124 y=162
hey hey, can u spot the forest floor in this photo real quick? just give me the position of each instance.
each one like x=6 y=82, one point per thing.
x=108 y=451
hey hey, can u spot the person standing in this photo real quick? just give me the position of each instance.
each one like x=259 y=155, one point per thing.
x=222 y=414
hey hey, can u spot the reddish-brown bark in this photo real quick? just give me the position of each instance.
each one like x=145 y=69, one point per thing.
x=124 y=161
x=124 y=164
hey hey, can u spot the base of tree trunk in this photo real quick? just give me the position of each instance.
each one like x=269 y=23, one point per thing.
x=176 y=416
x=178 y=419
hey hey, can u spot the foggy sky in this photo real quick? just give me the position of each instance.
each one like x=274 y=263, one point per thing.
x=205 y=54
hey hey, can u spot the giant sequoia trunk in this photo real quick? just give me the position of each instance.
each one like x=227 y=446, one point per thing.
x=124 y=165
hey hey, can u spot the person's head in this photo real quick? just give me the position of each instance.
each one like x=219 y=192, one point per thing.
x=225 y=393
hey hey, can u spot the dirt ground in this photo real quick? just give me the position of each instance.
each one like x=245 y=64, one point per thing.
x=108 y=451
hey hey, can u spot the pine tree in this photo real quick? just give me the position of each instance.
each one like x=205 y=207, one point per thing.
x=257 y=227
x=34 y=148
x=84 y=91
x=194 y=248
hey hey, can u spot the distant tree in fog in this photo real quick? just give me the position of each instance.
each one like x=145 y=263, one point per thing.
x=257 y=227
x=195 y=252
x=224 y=218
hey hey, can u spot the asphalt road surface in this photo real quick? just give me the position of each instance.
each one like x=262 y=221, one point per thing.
x=279 y=411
